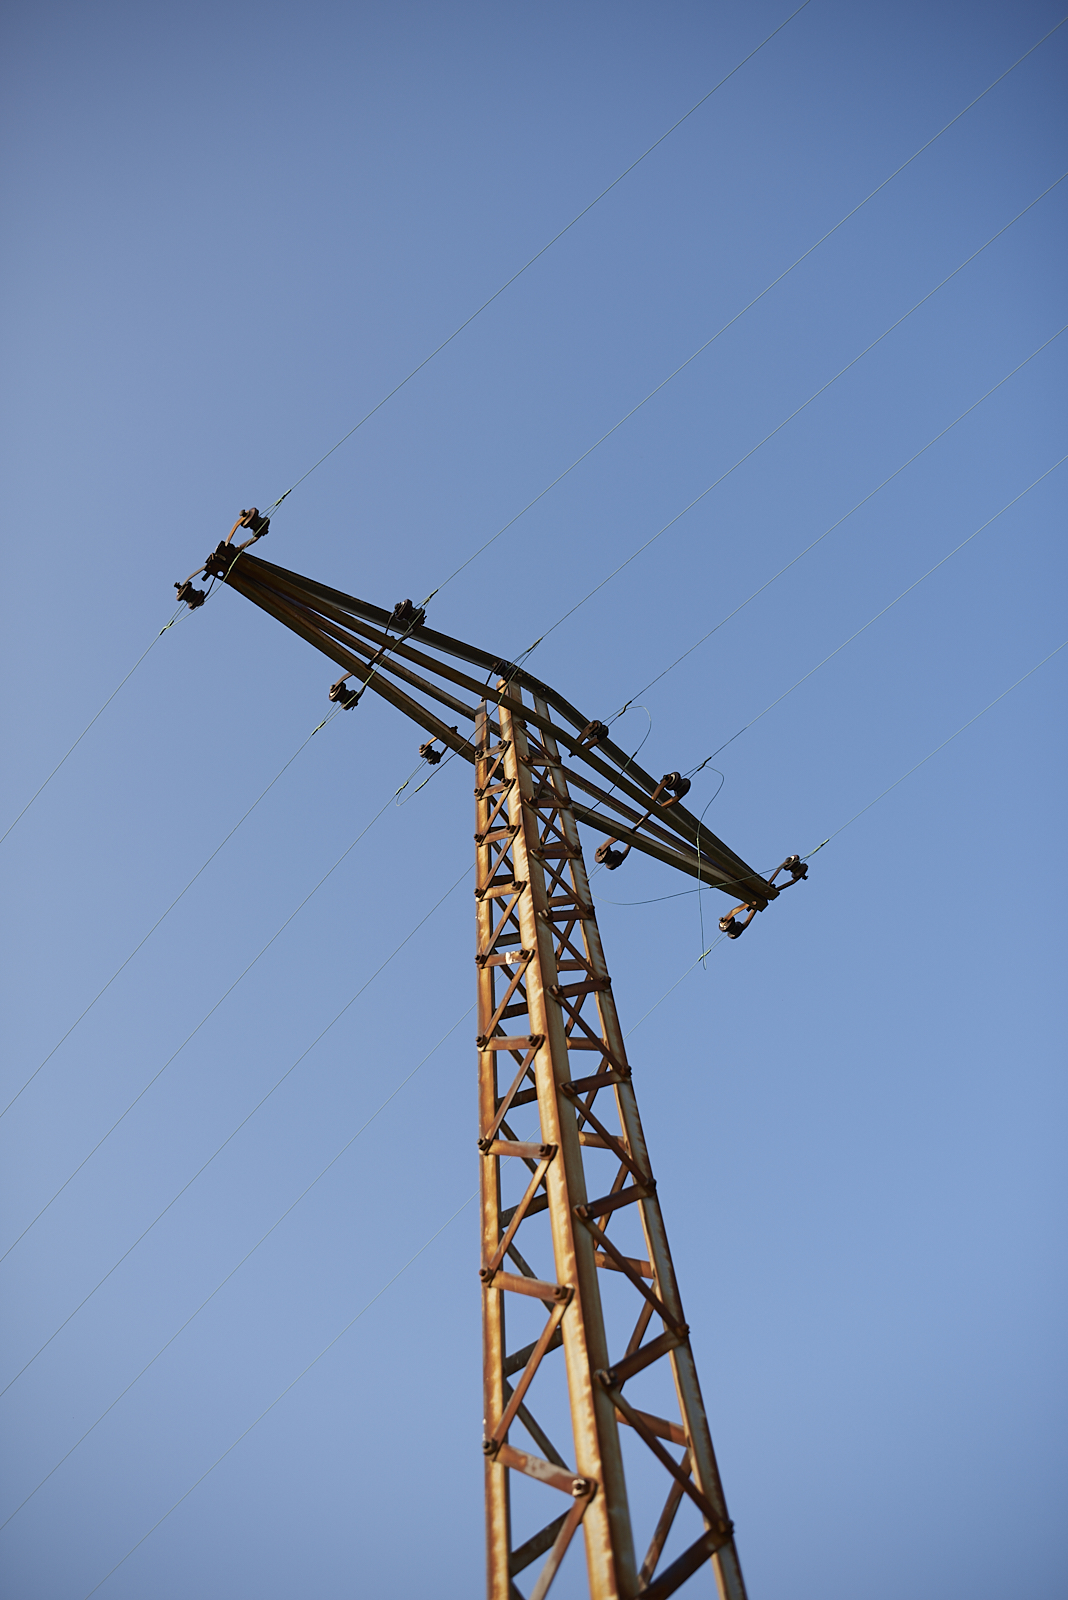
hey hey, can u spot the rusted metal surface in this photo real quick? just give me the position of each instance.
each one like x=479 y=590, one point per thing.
x=564 y=1160
x=567 y=1187
x=375 y=646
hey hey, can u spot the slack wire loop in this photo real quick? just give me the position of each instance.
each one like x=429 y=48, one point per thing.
x=176 y=618
x=545 y=247
x=162 y=918
x=856 y=815
x=739 y=314
x=362 y=1311
x=795 y=413
x=915 y=585
x=156 y=1076
x=233 y=1134
x=235 y=1269
x=844 y=518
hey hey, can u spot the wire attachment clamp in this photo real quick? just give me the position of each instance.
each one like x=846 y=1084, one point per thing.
x=730 y=923
x=671 y=789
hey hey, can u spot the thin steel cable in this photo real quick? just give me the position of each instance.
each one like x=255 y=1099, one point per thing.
x=779 y=427
x=235 y=1269
x=140 y=1096
x=233 y=1135
x=739 y=314
x=538 y=254
x=947 y=557
x=718 y=941
x=161 y=919
x=835 y=525
x=964 y=725
x=703 y=956
x=363 y=1310
x=90 y=723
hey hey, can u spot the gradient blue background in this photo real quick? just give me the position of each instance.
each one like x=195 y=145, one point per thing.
x=230 y=229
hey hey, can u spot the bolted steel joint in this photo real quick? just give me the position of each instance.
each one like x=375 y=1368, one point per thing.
x=581 y=1486
x=490 y=1447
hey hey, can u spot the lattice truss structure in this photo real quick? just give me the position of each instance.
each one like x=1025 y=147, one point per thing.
x=569 y=1195
x=589 y=1378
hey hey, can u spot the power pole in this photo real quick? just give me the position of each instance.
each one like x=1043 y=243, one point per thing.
x=583 y=1323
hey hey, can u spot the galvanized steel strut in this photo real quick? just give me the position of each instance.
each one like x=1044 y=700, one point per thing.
x=576 y=1272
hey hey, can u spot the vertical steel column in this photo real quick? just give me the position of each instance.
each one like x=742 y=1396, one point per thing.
x=498 y=1520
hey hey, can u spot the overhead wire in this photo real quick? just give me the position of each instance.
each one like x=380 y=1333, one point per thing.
x=327 y=1347
x=739 y=314
x=938 y=747
x=779 y=426
x=835 y=525
x=234 y=1132
x=890 y=605
x=233 y=1270
x=539 y=253
x=866 y=625
x=774 y=282
x=92 y=722
x=163 y=917
x=208 y=1014
x=704 y=954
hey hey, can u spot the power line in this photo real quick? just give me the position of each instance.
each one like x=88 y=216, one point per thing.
x=233 y=1270
x=161 y=919
x=838 y=648
x=739 y=314
x=352 y=1321
x=935 y=751
x=834 y=525
x=538 y=254
x=796 y=412
x=90 y=723
x=205 y=1018
x=715 y=943
x=232 y=1135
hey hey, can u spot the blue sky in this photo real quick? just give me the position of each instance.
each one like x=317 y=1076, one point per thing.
x=231 y=231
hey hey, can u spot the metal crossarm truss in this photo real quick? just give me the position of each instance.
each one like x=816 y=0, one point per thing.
x=415 y=668
x=585 y=1342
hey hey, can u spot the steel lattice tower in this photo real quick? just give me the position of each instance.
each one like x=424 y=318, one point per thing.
x=583 y=1324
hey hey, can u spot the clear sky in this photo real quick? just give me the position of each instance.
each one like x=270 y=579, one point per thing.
x=230 y=230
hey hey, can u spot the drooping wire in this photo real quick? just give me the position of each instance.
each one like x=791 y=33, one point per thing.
x=163 y=917
x=208 y=1014
x=538 y=254
x=247 y=1256
x=835 y=525
x=177 y=617
x=856 y=815
x=938 y=747
x=739 y=314
x=327 y=1347
x=235 y=1269
x=701 y=958
x=779 y=426
x=890 y=605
